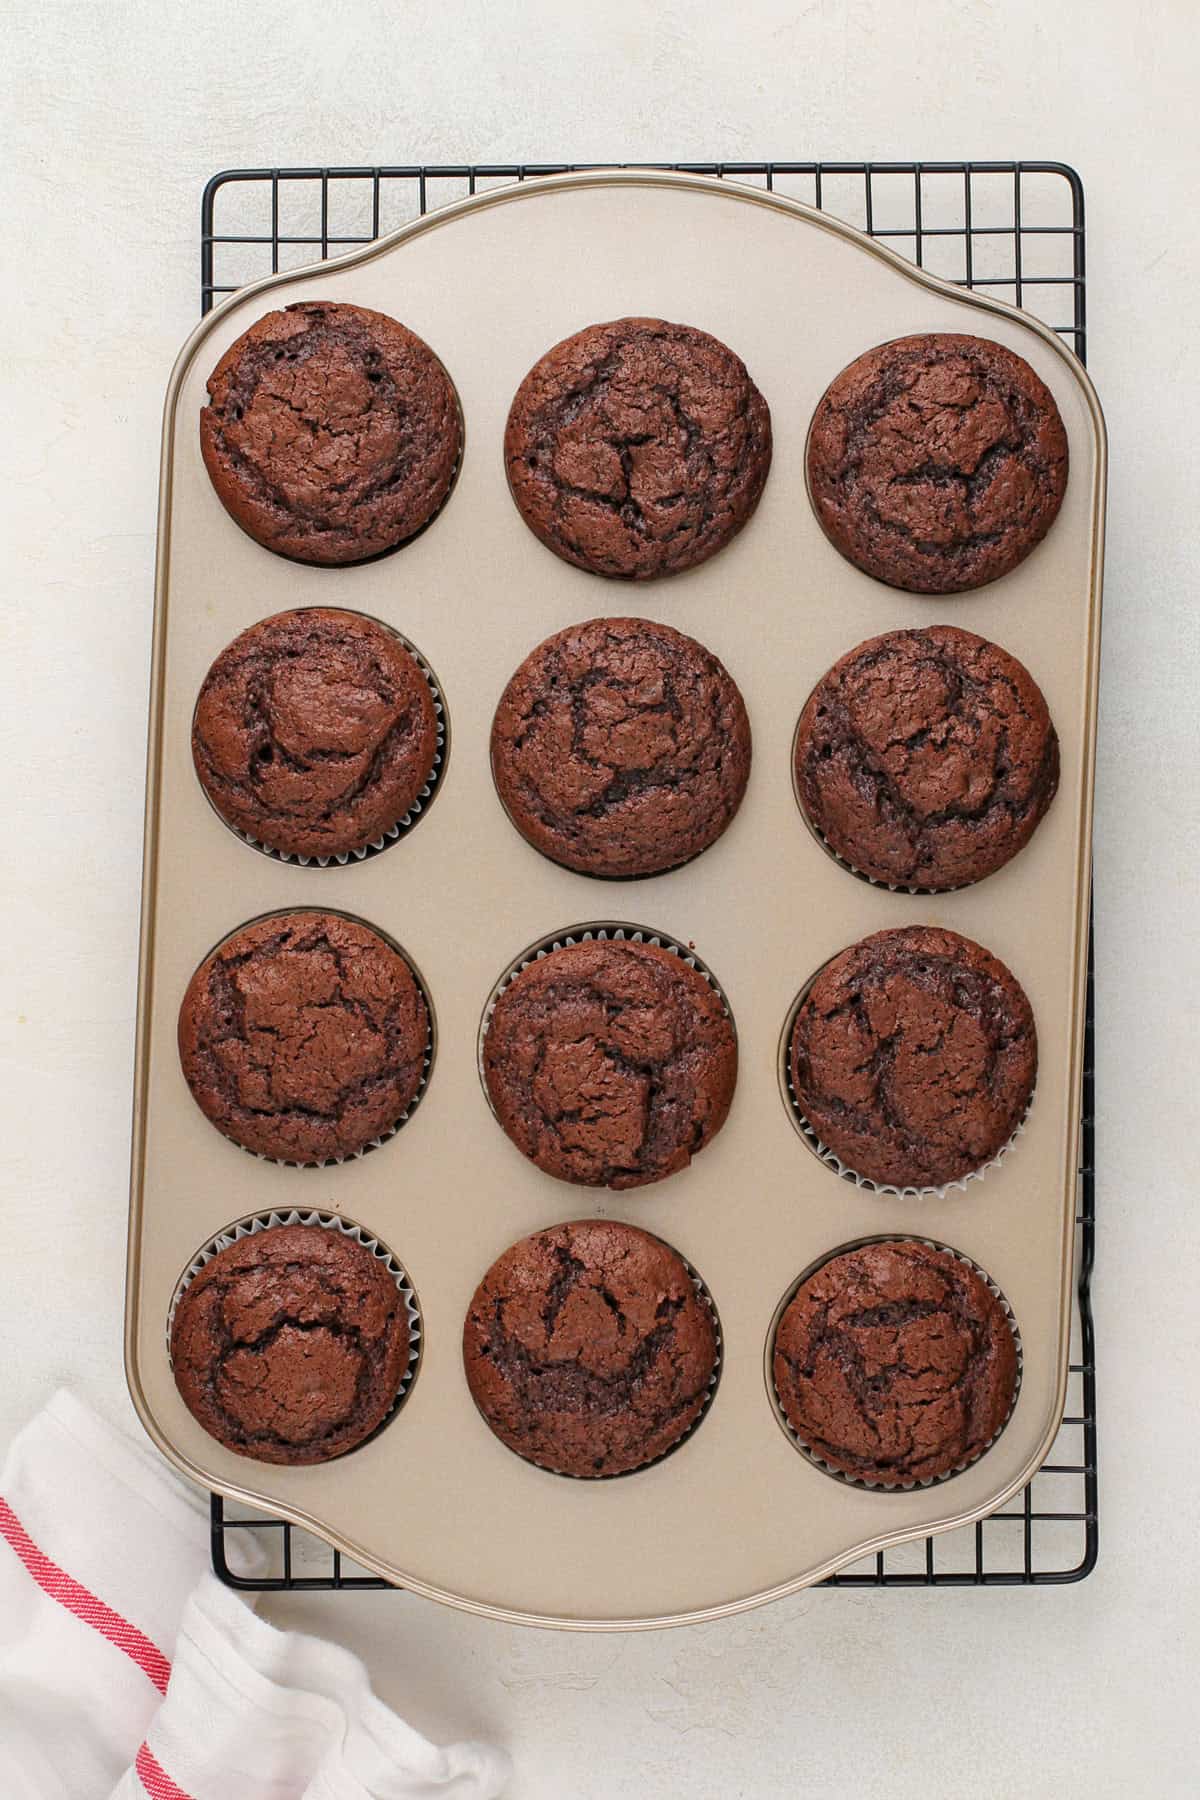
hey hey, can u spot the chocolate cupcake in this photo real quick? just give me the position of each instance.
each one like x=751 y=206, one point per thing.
x=937 y=462
x=316 y=732
x=588 y=1349
x=621 y=748
x=610 y=1062
x=913 y=1057
x=637 y=448
x=304 y=1037
x=291 y=1344
x=926 y=758
x=332 y=433
x=895 y=1364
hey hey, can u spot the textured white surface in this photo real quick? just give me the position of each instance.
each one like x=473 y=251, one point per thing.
x=116 y=114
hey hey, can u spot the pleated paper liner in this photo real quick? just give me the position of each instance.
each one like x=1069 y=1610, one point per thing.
x=266 y=1221
x=598 y=931
x=430 y=1051
x=420 y=806
x=812 y=1141
x=704 y=1295
x=814 y=1456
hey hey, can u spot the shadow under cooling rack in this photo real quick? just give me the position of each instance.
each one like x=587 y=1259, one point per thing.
x=1012 y=229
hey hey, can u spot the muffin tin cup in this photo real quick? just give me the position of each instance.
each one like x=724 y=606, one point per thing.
x=601 y=931
x=420 y=806
x=651 y=1462
x=256 y=1222
x=429 y=1053
x=809 y=1136
x=813 y=1456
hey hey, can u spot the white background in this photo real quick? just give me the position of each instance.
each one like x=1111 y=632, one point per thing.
x=117 y=114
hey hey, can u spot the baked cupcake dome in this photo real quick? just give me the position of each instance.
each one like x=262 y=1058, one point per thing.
x=895 y=1363
x=588 y=1349
x=304 y=1036
x=637 y=448
x=291 y=1344
x=315 y=732
x=913 y=1057
x=332 y=433
x=621 y=748
x=926 y=758
x=609 y=1062
x=937 y=462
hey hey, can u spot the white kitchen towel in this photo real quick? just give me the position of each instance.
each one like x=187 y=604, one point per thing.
x=127 y=1670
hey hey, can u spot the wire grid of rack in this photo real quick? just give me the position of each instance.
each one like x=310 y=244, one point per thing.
x=1014 y=229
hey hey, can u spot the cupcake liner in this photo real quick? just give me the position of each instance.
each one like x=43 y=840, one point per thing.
x=812 y=1141
x=265 y=1221
x=651 y=1462
x=416 y=811
x=383 y=1137
x=597 y=931
x=861 y=1481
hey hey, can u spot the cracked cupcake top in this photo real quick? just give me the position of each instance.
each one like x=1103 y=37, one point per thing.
x=621 y=748
x=332 y=433
x=937 y=462
x=303 y=1036
x=926 y=758
x=588 y=1349
x=637 y=448
x=315 y=732
x=895 y=1363
x=913 y=1056
x=291 y=1344
x=610 y=1063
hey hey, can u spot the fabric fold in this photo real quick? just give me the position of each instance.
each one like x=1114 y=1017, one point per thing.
x=127 y=1669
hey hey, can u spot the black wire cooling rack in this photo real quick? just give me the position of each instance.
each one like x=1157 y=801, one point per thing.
x=1014 y=229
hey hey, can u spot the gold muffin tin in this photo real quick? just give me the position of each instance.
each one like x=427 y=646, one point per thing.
x=736 y=1515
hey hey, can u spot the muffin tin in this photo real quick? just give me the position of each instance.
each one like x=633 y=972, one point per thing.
x=736 y=1515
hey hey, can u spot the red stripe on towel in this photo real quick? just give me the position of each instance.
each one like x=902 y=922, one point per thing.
x=154 y=1777
x=71 y=1594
